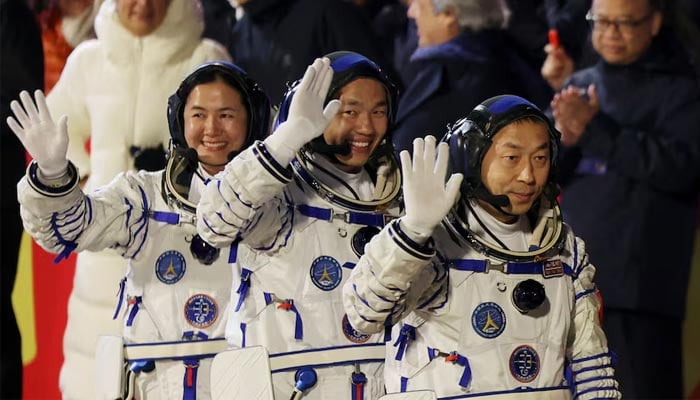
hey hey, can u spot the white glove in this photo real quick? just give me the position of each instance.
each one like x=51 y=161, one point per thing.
x=45 y=141
x=426 y=195
x=307 y=118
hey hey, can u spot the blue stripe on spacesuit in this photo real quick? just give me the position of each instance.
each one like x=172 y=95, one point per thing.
x=170 y=218
x=243 y=287
x=406 y=335
x=592 y=357
x=525 y=268
x=268 y=162
x=586 y=292
x=352 y=217
x=366 y=303
x=523 y=389
x=143 y=220
x=299 y=325
x=244 y=328
x=407 y=244
x=594 y=389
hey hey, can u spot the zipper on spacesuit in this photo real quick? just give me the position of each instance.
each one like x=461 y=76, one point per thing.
x=454 y=358
x=243 y=287
x=407 y=333
x=190 y=379
x=358 y=384
x=120 y=294
x=134 y=302
x=288 y=305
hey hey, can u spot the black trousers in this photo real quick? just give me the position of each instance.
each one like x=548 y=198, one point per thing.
x=649 y=354
x=10 y=341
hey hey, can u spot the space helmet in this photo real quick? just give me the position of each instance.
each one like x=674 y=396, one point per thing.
x=469 y=139
x=383 y=167
x=182 y=159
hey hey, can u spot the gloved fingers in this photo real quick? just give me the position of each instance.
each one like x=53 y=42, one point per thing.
x=323 y=78
x=331 y=109
x=428 y=155
x=443 y=157
x=452 y=188
x=44 y=113
x=63 y=126
x=308 y=78
x=14 y=126
x=418 y=154
x=29 y=106
x=319 y=67
x=20 y=115
x=406 y=165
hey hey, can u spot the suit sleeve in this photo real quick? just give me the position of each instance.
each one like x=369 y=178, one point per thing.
x=593 y=373
x=395 y=276
x=247 y=202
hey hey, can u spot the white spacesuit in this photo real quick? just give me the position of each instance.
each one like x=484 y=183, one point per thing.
x=307 y=228
x=483 y=307
x=175 y=295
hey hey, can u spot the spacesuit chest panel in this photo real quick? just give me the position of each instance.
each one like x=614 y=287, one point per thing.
x=307 y=273
x=178 y=293
x=482 y=328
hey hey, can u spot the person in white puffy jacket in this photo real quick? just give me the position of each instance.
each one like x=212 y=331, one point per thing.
x=307 y=226
x=491 y=294
x=114 y=89
x=177 y=288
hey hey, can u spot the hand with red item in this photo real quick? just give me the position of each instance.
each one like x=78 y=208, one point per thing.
x=558 y=65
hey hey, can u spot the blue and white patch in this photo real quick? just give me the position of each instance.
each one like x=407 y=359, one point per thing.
x=326 y=273
x=488 y=320
x=170 y=267
x=351 y=334
x=201 y=311
x=524 y=364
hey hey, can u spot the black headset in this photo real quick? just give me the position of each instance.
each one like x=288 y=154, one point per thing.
x=470 y=138
x=256 y=101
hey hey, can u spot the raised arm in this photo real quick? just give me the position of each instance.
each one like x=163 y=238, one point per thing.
x=397 y=274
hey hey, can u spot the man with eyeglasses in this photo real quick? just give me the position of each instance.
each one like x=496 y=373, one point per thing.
x=630 y=172
x=177 y=287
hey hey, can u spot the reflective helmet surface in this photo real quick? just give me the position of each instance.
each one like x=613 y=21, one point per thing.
x=470 y=138
x=255 y=100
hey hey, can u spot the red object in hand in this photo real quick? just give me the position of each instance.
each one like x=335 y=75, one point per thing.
x=553 y=36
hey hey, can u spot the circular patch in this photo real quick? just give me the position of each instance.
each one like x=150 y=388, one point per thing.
x=201 y=311
x=351 y=334
x=524 y=364
x=488 y=320
x=361 y=238
x=170 y=267
x=326 y=273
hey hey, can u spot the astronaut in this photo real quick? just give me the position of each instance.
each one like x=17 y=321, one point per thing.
x=306 y=200
x=488 y=291
x=176 y=292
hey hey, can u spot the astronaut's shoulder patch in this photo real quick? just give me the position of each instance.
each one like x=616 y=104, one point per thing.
x=170 y=267
x=201 y=310
x=326 y=273
x=488 y=320
x=351 y=334
x=524 y=364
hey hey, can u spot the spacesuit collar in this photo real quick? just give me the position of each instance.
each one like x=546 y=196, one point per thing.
x=547 y=233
